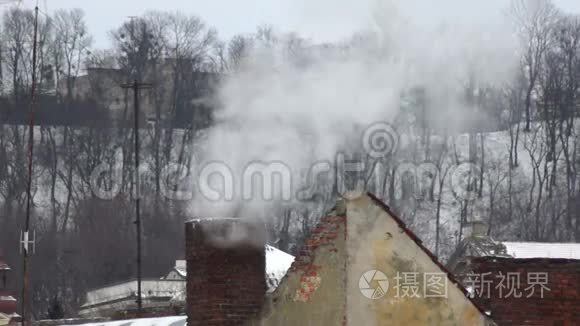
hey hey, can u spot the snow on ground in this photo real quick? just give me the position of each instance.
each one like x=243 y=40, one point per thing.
x=524 y=250
x=163 y=321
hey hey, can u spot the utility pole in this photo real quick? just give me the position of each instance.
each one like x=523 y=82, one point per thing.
x=136 y=86
x=25 y=240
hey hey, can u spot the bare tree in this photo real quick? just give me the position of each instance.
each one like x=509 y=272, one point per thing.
x=534 y=21
x=72 y=43
x=233 y=54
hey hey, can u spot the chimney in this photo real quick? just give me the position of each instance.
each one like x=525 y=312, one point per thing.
x=226 y=266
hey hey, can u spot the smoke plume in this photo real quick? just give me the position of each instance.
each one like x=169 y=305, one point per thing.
x=302 y=107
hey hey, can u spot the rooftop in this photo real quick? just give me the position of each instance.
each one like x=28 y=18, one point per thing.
x=277 y=265
x=164 y=321
x=521 y=250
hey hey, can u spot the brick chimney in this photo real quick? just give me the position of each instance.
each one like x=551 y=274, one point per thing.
x=226 y=264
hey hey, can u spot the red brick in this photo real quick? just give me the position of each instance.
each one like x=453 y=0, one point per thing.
x=558 y=307
x=226 y=285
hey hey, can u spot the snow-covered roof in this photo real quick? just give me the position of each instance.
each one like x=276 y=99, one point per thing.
x=181 y=267
x=162 y=321
x=214 y=219
x=181 y=271
x=120 y=291
x=3 y=265
x=277 y=265
x=543 y=250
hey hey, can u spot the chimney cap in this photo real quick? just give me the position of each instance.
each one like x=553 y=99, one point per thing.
x=229 y=232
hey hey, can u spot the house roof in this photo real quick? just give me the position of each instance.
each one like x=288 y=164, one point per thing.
x=480 y=257
x=543 y=250
x=151 y=288
x=181 y=267
x=8 y=304
x=163 y=321
x=277 y=265
x=474 y=246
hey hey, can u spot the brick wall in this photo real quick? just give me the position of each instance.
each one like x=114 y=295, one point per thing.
x=313 y=290
x=226 y=266
x=559 y=306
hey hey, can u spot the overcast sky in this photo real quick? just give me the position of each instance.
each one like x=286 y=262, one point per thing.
x=320 y=20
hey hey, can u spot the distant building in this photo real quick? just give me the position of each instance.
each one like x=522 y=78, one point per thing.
x=178 y=273
x=8 y=304
x=118 y=301
x=164 y=296
x=520 y=283
x=102 y=86
x=161 y=297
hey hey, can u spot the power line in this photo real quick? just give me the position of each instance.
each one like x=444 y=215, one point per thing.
x=25 y=233
x=136 y=86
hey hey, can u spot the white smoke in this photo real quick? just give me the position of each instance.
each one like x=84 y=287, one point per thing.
x=276 y=109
